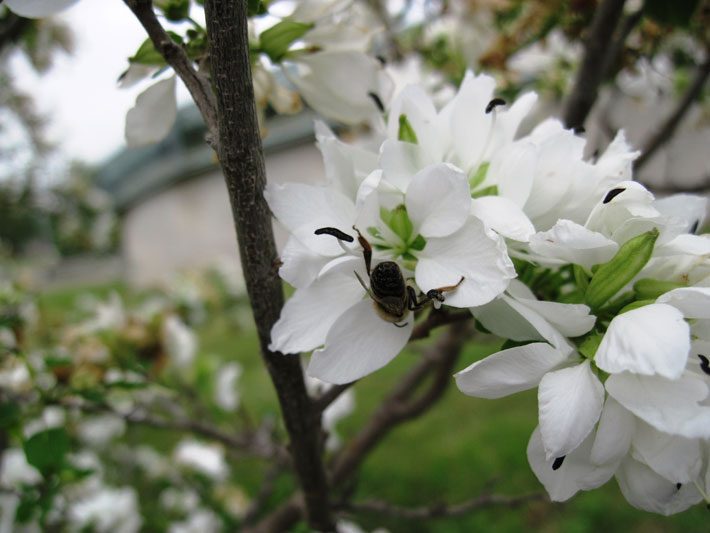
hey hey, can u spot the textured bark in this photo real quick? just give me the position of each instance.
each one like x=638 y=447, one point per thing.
x=591 y=72
x=241 y=156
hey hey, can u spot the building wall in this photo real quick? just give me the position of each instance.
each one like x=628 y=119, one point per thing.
x=189 y=225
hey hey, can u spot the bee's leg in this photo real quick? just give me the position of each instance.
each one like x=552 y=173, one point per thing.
x=433 y=295
x=366 y=249
x=367 y=289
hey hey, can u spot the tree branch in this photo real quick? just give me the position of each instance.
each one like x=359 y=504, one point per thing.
x=668 y=127
x=439 y=510
x=401 y=405
x=176 y=57
x=591 y=72
x=241 y=156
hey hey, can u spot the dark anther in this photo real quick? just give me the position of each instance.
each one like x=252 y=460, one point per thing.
x=678 y=486
x=381 y=59
x=335 y=233
x=694 y=228
x=377 y=101
x=704 y=364
x=558 y=462
x=612 y=194
x=493 y=104
x=579 y=130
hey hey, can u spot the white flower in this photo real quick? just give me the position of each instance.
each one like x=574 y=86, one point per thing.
x=226 y=394
x=570 y=395
x=428 y=231
x=153 y=115
x=199 y=521
x=180 y=341
x=208 y=459
x=16 y=470
x=108 y=510
x=38 y=8
x=99 y=430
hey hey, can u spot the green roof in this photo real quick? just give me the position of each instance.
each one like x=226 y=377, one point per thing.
x=134 y=174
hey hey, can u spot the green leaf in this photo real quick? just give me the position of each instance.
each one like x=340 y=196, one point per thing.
x=406 y=132
x=611 y=277
x=256 y=7
x=148 y=55
x=580 y=277
x=652 y=288
x=174 y=10
x=276 y=41
x=9 y=414
x=46 y=450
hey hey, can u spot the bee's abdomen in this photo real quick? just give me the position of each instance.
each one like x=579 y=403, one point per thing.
x=386 y=280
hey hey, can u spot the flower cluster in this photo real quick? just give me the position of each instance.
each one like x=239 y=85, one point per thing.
x=609 y=314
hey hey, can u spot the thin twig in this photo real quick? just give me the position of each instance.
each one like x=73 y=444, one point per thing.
x=668 y=127
x=591 y=72
x=614 y=53
x=175 y=56
x=439 y=510
x=438 y=318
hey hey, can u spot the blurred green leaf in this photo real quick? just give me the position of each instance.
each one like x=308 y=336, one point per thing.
x=46 y=450
x=276 y=40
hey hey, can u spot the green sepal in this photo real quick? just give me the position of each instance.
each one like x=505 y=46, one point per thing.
x=477 y=177
x=492 y=190
x=590 y=343
x=636 y=305
x=652 y=288
x=581 y=277
x=406 y=131
x=611 y=277
x=276 y=41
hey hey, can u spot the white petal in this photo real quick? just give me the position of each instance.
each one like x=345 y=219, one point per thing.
x=438 y=200
x=575 y=473
x=470 y=125
x=671 y=406
x=613 y=437
x=570 y=402
x=470 y=252
x=311 y=311
x=512 y=170
x=689 y=208
x=678 y=459
x=416 y=105
x=504 y=217
x=509 y=371
x=37 y=8
x=646 y=490
x=693 y=302
x=400 y=161
x=653 y=339
x=684 y=244
x=305 y=208
x=300 y=265
x=359 y=343
x=572 y=243
x=337 y=84
x=571 y=320
x=153 y=115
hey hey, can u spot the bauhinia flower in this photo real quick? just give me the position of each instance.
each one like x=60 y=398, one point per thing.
x=362 y=269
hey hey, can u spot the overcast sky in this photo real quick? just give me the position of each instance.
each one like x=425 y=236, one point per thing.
x=80 y=96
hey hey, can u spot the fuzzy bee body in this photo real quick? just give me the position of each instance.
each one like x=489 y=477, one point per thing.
x=389 y=291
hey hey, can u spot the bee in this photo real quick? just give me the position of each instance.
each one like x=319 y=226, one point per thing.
x=392 y=297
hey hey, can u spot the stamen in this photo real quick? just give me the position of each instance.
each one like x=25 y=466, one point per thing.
x=694 y=228
x=704 y=364
x=493 y=104
x=579 y=130
x=378 y=101
x=381 y=59
x=612 y=194
x=678 y=486
x=341 y=236
x=558 y=462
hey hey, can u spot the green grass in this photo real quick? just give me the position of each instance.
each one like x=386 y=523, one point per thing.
x=460 y=447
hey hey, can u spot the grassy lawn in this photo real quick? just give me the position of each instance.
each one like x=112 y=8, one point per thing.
x=452 y=453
